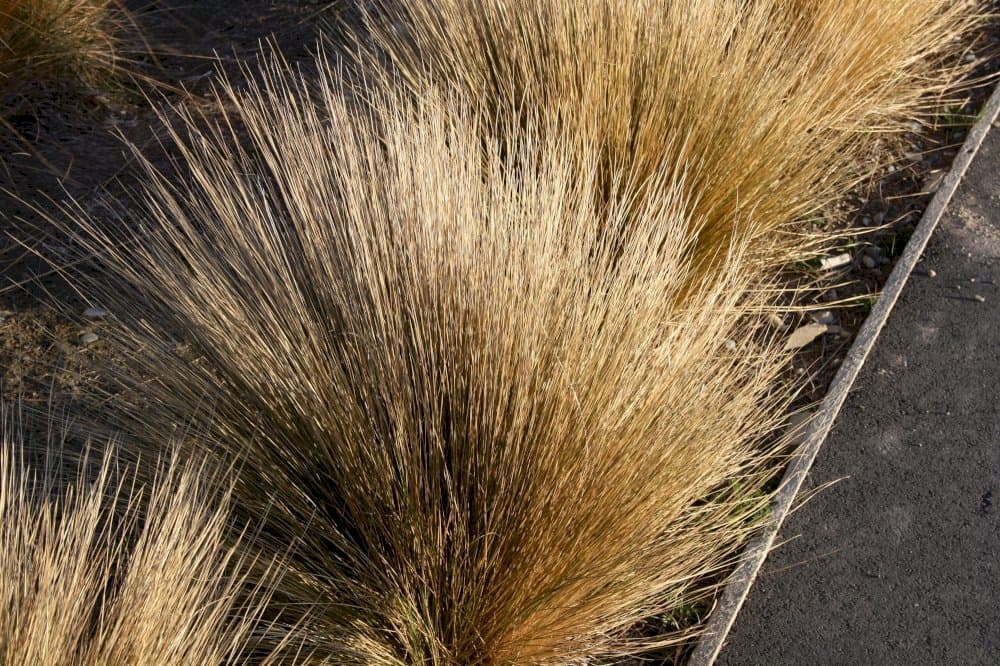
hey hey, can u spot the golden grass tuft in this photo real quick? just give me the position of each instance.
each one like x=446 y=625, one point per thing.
x=471 y=401
x=101 y=571
x=47 y=40
x=769 y=106
x=487 y=352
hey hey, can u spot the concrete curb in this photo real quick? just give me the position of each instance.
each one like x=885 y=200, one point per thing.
x=738 y=587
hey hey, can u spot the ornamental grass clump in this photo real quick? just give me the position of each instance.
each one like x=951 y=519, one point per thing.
x=467 y=402
x=771 y=107
x=486 y=352
x=99 y=570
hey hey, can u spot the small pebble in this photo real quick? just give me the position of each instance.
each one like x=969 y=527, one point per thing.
x=825 y=317
x=835 y=262
x=95 y=313
x=869 y=261
x=981 y=299
x=89 y=338
x=970 y=57
x=931 y=272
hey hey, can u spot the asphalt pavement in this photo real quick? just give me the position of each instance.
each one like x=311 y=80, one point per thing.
x=898 y=562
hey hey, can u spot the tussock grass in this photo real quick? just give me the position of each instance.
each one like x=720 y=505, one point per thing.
x=469 y=399
x=51 y=40
x=102 y=571
x=769 y=106
x=487 y=351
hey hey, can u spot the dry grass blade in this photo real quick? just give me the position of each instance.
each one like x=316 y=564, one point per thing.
x=769 y=105
x=103 y=572
x=473 y=401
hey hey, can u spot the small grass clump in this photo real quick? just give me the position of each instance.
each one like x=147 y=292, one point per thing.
x=100 y=571
x=51 y=41
x=473 y=404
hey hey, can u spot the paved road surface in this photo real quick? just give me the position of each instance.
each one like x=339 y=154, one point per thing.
x=899 y=562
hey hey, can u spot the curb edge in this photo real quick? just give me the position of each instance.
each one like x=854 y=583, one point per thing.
x=741 y=581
